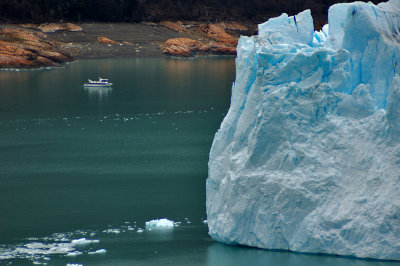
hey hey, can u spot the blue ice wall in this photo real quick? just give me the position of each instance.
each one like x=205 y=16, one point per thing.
x=308 y=157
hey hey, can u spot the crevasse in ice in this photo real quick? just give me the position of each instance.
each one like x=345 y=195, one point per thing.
x=308 y=157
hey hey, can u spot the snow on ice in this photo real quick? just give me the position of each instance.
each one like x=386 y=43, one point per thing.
x=159 y=224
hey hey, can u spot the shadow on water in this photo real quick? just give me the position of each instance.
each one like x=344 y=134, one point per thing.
x=98 y=92
x=223 y=255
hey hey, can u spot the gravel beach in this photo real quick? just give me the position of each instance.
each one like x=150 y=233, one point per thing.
x=133 y=40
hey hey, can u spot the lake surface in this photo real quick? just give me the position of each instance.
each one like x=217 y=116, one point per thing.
x=98 y=163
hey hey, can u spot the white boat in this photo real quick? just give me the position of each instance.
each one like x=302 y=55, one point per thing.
x=100 y=83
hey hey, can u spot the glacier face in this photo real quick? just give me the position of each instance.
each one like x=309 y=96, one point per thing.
x=308 y=157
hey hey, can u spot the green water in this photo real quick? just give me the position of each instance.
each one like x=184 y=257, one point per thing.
x=98 y=164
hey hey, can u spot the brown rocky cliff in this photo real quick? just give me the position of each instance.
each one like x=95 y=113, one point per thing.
x=204 y=39
x=183 y=47
x=28 y=49
x=186 y=47
x=218 y=34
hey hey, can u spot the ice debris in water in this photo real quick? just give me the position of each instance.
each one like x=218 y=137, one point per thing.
x=112 y=231
x=84 y=241
x=100 y=251
x=74 y=254
x=159 y=224
x=308 y=157
x=39 y=250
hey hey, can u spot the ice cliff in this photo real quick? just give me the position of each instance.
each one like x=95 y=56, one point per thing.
x=308 y=157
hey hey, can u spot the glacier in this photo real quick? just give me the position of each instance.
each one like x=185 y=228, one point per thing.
x=307 y=158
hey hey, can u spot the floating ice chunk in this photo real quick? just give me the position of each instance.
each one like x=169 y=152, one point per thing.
x=83 y=241
x=140 y=230
x=112 y=231
x=100 y=251
x=159 y=224
x=74 y=254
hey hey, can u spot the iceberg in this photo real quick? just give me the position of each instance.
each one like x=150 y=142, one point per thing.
x=307 y=158
x=160 y=224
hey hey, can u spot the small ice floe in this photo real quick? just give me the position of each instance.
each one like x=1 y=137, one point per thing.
x=84 y=241
x=73 y=264
x=205 y=222
x=187 y=220
x=112 y=231
x=100 y=251
x=73 y=254
x=140 y=230
x=160 y=224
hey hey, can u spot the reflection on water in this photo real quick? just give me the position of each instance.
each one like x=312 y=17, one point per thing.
x=193 y=75
x=140 y=86
x=160 y=235
x=98 y=92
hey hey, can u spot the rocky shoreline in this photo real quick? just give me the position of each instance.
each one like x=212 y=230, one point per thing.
x=51 y=44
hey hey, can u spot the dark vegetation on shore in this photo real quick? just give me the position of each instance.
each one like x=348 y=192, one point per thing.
x=256 y=11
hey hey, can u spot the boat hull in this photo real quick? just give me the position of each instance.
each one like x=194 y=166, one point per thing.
x=97 y=85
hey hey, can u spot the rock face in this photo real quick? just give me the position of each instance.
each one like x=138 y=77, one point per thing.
x=106 y=40
x=173 y=26
x=186 y=47
x=28 y=49
x=183 y=47
x=308 y=157
x=24 y=35
x=219 y=41
x=218 y=34
x=53 y=27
